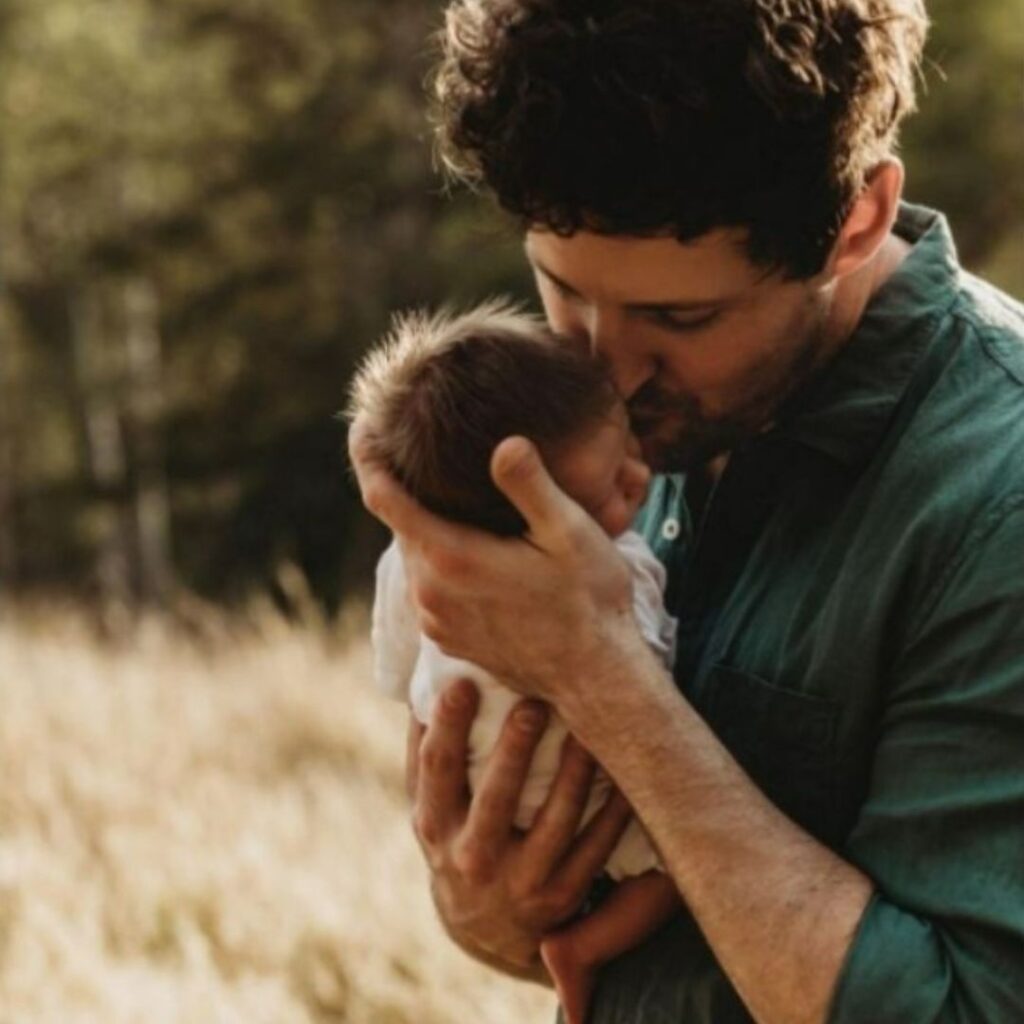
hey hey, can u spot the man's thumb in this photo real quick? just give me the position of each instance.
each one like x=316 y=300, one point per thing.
x=520 y=474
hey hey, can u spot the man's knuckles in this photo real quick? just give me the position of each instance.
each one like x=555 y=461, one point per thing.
x=523 y=726
x=430 y=835
x=457 y=702
x=451 y=563
x=560 y=900
x=475 y=862
x=437 y=760
x=428 y=596
x=435 y=567
x=549 y=904
x=433 y=596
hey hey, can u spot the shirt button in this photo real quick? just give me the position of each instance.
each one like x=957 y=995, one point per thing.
x=670 y=529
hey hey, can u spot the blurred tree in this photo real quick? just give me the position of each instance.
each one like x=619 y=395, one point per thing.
x=262 y=176
x=11 y=455
x=208 y=209
x=965 y=147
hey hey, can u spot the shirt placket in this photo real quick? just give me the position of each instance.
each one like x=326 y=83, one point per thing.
x=734 y=517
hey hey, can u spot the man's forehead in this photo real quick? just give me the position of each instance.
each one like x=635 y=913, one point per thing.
x=652 y=271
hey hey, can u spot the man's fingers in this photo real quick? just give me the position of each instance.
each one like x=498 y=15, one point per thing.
x=441 y=792
x=519 y=472
x=493 y=810
x=382 y=495
x=594 y=845
x=553 y=829
x=449 y=548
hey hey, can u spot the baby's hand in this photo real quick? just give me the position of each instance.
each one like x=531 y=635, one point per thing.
x=633 y=911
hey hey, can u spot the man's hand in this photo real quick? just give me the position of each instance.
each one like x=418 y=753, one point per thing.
x=532 y=611
x=498 y=890
x=547 y=614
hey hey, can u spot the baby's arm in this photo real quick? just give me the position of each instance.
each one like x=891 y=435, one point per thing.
x=634 y=909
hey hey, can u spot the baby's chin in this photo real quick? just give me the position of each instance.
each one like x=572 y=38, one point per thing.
x=619 y=522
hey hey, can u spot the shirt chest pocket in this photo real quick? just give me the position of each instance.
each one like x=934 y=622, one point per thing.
x=784 y=740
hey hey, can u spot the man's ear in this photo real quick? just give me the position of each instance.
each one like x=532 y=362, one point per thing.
x=869 y=222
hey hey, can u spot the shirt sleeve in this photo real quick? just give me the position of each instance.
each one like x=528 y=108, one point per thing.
x=394 y=632
x=942 y=830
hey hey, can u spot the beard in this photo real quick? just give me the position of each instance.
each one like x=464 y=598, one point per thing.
x=677 y=434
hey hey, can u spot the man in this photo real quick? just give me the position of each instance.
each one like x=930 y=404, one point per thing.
x=835 y=775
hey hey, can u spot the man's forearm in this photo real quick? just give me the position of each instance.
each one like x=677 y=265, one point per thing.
x=778 y=908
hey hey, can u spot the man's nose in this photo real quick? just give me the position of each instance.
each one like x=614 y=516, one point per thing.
x=608 y=338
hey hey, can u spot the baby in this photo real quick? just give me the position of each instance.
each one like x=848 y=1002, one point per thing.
x=439 y=394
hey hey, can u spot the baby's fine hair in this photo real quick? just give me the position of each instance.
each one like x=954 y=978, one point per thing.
x=442 y=390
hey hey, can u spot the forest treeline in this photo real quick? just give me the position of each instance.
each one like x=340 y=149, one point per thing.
x=208 y=209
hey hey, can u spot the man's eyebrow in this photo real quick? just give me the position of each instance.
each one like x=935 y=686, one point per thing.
x=564 y=285
x=680 y=306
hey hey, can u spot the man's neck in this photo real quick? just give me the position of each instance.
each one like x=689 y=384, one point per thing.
x=855 y=292
x=850 y=302
x=890 y=256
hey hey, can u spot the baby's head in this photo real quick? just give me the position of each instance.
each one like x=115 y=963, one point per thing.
x=442 y=391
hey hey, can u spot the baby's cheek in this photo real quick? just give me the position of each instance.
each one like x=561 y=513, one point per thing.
x=614 y=517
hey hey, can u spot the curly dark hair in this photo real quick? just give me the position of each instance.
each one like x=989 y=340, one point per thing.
x=647 y=116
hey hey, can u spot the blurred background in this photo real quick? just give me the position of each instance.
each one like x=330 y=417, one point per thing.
x=208 y=209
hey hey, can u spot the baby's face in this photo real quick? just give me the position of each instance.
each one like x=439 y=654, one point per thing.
x=602 y=471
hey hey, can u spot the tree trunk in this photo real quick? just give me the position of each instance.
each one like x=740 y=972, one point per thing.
x=9 y=420
x=146 y=404
x=97 y=372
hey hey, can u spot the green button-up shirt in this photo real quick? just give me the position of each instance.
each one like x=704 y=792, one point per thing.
x=851 y=625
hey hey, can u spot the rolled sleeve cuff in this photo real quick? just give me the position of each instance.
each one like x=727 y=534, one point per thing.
x=896 y=971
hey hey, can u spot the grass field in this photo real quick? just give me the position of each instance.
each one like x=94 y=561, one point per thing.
x=209 y=826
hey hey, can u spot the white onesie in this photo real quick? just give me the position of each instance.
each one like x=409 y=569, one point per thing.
x=410 y=667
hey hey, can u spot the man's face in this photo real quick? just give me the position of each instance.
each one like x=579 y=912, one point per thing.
x=702 y=344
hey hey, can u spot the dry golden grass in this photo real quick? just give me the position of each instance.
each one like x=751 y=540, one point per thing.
x=213 y=830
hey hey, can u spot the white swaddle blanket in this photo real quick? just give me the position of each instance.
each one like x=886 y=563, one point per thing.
x=410 y=667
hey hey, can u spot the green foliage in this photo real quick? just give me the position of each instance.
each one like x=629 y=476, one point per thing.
x=267 y=168
x=251 y=185
x=965 y=149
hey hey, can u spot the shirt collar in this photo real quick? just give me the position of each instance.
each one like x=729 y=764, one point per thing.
x=844 y=411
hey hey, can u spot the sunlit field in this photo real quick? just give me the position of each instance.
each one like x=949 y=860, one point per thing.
x=208 y=825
